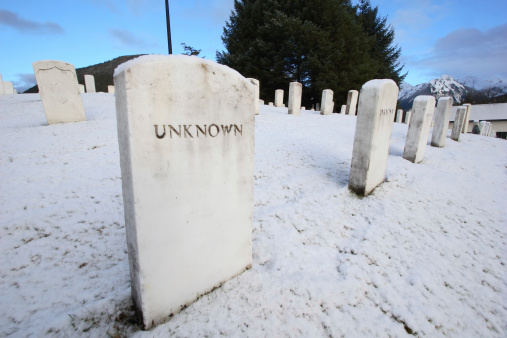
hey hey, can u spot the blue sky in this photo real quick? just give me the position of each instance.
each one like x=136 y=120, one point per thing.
x=457 y=38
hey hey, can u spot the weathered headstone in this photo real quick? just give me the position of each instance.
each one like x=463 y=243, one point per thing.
x=343 y=109
x=442 y=115
x=279 y=98
x=399 y=115
x=457 y=126
x=482 y=126
x=490 y=129
x=110 y=89
x=270 y=103
x=186 y=138
x=261 y=102
x=419 y=128
x=255 y=82
x=352 y=102
x=59 y=91
x=467 y=118
x=327 y=102
x=295 y=92
x=8 y=88
x=81 y=89
x=408 y=114
x=90 y=83
x=377 y=106
x=2 y=90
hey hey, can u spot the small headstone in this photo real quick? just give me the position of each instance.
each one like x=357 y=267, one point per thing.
x=81 y=89
x=110 y=89
x=90 y=83
x=408 y=114
x=313 y=109
x=8 y=88
x=467 y=118
x=419 y=128
x=303 y=108
x=377 y=106
x=488 y=128
x=399 y=115
x=186 y=138
x=442 y=115
x=458 y=123
x=2 y=90
x=476 y=129
x=15 y=91
x=327 y=102
x=261 y=102
x=295 y=92
x=317 y=106
x=343 y=109
x=352 y=102
x=279 y=98
x=255 y=82
x=482 y=125
x=493 y=133
x=270 y=104
x=59 y=91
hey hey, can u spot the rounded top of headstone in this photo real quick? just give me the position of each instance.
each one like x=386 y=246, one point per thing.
x=446 y=98
x=425 y=98
x=47 y=64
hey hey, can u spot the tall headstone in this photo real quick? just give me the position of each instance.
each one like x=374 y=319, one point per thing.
x=186 y=138
x=327 y=102
x=457 y=126
x=442 y=115
x=295 y=92
x=408 y=114
x=482 y=126
x=2 y=90
x=374 y=126
x=59 y=91
x=419 y=128
x=81 y=89
x=399 y=115
x=467 y=117
x=352 y=102
x=343 y=109
x=279 y=98
x=90 y=83
x=8 y=88
x=255 y=82
x=490 y=129
x=110 y=89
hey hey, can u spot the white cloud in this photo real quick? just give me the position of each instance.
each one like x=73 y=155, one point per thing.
x=13 y=20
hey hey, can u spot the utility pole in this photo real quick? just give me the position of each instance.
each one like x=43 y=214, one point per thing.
x=168 y=27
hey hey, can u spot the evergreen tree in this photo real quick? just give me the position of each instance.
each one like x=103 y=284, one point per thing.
x=189 y=50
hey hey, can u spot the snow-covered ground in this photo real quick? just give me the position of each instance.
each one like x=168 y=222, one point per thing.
x=425 y=254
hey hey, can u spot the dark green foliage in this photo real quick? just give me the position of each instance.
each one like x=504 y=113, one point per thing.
x=189 y=50
x=320 y=43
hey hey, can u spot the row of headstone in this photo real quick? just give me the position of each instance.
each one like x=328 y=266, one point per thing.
x=7 y=87
x=484 y=128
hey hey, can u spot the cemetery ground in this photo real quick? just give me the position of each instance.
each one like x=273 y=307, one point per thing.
x=424 y=254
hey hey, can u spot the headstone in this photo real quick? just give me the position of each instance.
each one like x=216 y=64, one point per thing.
x=377 y=106
x=467 y=117
x=317 y=106
x=261 y=102
x=313 y=109
x=270 y=103
x=488 y=128
x=482 y=126
x=343 y=109
x=419 y=128
x=457 y=126
x=59 y=91
x=303 y=108
x=186 y=138
x=493 y=133
x=279 y=98
x=15 y=91
x=442 y=115
x=255 y=82
x=327 y=102
x=110 y=89
x=476 y=129
x=399 y=115
x=81 y=89
x=2 y=90
x=8 y=88
x=408 y=114
x=352 y=102
x=295 y=92
x=90 y=83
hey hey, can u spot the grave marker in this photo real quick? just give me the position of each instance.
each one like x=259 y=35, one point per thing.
x=8 y=88
x=482 y=126
x=408 y=114
x=81 y=89
x=352 y=102
x=399 y=115
x=186 y=138
x=419 y=128
x=442 y=115
x=2 y=90
x=255 y=82
x=261 y=102
x=59 y=91
x=270 y=103
x=90 y=83
x=467 y=118
x=327 y=102
x=110 y=89
x=279 y=98
x=457 y=126
x=377 y=106
x=295 y=92
x=343 y=109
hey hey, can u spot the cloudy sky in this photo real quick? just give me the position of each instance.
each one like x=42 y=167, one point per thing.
x=453 y=37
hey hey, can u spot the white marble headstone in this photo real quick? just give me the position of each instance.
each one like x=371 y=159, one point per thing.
x=186 y=137
x=2 y=90
x=399 y=115
x=279 y=98
x=376 y=110
x=90 y=83
x=468 y=106
x=295 y=92
x=81 y=89
x=352 y=102
x=110 y=89
x=59 y=91
x=270 y=104
x=442 y=115
x=255 y=82
x=407 y=116
x=419 y=128
x=457 y=126
x=343 y=109
x=8 y=88
x=327 y=102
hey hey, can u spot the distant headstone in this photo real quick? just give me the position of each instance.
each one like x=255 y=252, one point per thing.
x=327 y=102
x=8 y=88
x=442 y=115
x=81 y=89
x=15 y=91
x=408 y=114
x=313 y=109
x=377 y=106
x=261 y=102
x=419 y=128
x=295 y=92
x=255 y=82
x=59 y=91
x=399 y=115
x=493 y=133
x=457 y=126
x=2 y=90
x=270 y=103
x=343 y=109
x=352 y=102
x=90 y=83
x=303 y=108
x=467 y=118
x=279 y=98
x=317 y=106
x=110 y=89
x=482 y=125
x=490 y=129
x=476 y=129
x=186 y=138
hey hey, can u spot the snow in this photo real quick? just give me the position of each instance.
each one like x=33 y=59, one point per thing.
x=426 y=253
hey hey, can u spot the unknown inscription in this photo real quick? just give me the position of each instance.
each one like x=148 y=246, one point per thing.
x=190 y=130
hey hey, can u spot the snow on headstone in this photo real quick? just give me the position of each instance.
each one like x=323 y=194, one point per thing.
x=81 y=89
x=255 y=82
x=399 y=115
x=2 y=90
x=59 y=91
x=89 y=83
x=442 y=115
x=343 y=109
x=352 y=102
x=468 y=106
x=8 y=88
x=457 y=126
x=186 y=138
x=374 y=126
x=110 y=89
x=327 y=102
x=419 y=128
x=279 y=98
x=295 y=92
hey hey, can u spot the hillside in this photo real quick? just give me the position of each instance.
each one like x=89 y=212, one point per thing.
x=102 y=72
